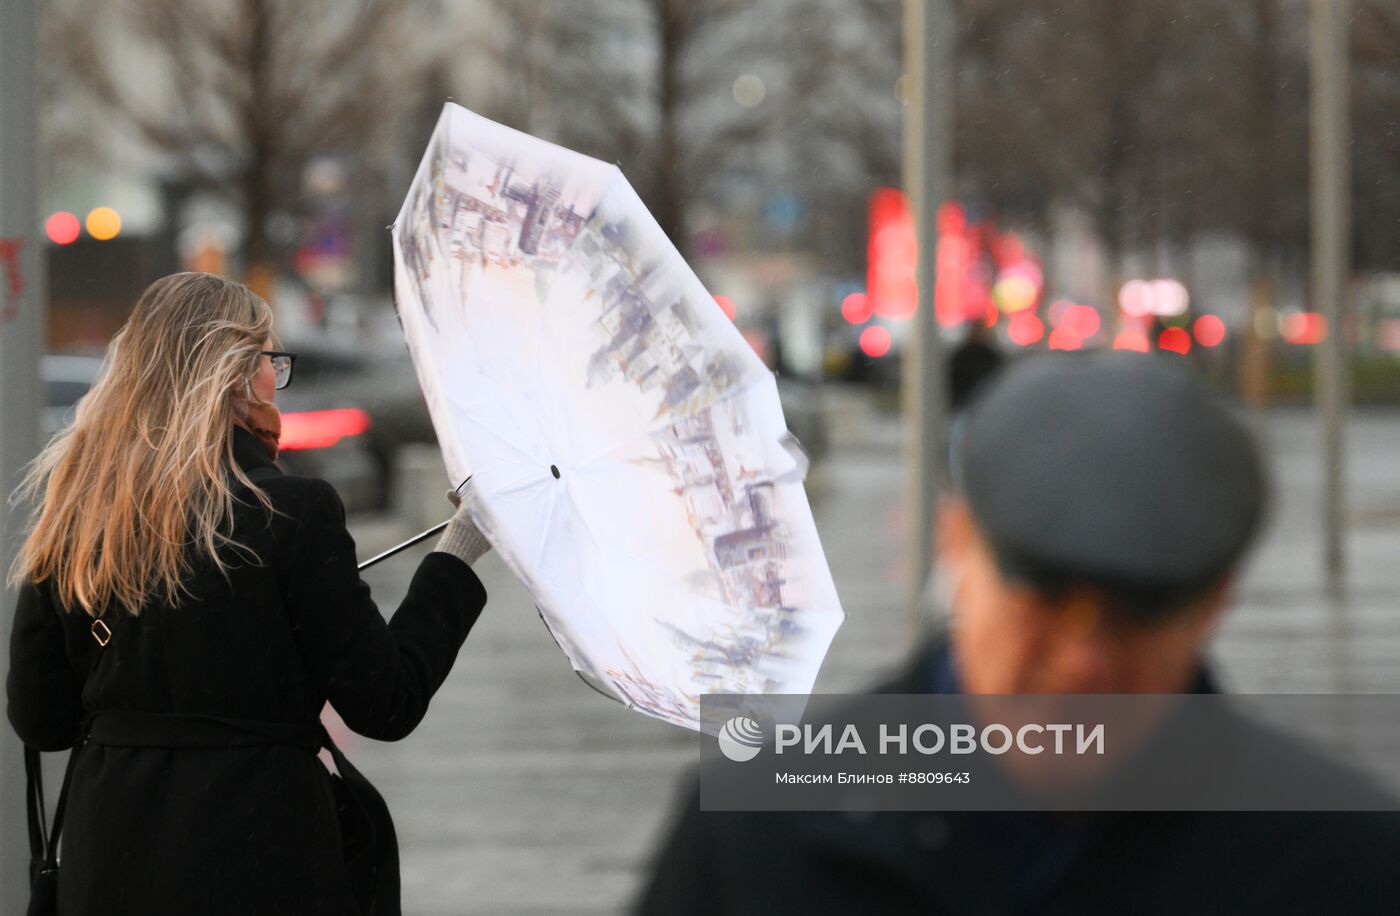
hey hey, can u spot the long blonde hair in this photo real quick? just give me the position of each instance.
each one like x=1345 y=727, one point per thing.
x=134 y=491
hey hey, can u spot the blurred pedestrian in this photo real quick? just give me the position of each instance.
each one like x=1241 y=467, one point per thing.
x=972 y=363
x=1103 y=505
x=186 y=610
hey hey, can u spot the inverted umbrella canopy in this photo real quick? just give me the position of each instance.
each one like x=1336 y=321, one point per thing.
x=627 y=452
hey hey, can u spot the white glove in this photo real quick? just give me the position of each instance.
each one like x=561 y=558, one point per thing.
x=461 y=538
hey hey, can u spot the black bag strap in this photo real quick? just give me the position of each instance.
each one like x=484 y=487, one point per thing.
x=43 y=842
x=34 y=803
x=51 y=848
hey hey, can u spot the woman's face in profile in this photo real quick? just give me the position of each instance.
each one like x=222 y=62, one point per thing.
x=265 y=378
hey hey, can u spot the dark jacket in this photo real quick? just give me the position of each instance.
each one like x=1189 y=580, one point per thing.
x=772 y=863
x=245 y=829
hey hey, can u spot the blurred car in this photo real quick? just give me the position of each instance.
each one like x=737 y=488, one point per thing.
x=67 y=377
x=802 y=408
x=364 y=395
x=318 y=439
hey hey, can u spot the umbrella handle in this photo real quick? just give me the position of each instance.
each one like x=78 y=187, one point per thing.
x=416 y=539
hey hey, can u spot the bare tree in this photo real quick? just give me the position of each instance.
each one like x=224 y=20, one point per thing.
x=674 y=26
x=834 y=121
x=1160 y=120
x=1376 y=129
x=1098 y=111
x=1265 y=167
x=575 y=74
x=607 y=79
x=252 y=91
x=651 y=84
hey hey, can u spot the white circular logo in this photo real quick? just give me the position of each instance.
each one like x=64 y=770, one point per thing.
x=740 y=739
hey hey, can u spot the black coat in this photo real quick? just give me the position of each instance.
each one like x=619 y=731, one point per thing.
x=773 y=863
x=237 y=830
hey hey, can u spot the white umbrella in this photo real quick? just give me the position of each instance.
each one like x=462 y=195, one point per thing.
x=627 y=451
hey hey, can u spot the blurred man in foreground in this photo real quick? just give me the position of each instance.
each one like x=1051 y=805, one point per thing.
x=1103 y=504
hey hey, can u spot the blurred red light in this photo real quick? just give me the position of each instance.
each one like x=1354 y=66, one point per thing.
x=855 y=308
x=1174 y=339
x=1209 y=331
x=1008 y=249
x=1305 y=328
x=62 y=228
x=1131 y=339
x=1082 y=319
x=1024 y=328
x=953 y=298
x=892 y=256
x=321 y=428
x=952 y=217
x=727 y=306
x=1065 y=338
x=875 y=341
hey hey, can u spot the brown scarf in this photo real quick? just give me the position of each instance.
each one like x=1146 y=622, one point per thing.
x=264 y=420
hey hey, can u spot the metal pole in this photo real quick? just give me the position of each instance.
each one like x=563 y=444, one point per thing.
x=1331 y=258
x=21 y=341
x=928 y=52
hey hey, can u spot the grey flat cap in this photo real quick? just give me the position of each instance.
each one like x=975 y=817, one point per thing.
x=1115 y=469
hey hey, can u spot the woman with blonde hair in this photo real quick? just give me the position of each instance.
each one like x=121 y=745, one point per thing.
x=185 y=612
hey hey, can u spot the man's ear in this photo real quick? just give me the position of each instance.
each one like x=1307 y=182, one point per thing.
x=1211 y=606
x=955 y=529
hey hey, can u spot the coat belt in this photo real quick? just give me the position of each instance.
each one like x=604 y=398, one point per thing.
x=123 y=728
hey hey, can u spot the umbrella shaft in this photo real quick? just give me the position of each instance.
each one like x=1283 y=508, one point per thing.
x=417 y=538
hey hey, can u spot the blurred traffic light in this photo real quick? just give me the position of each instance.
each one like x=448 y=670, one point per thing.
x=104 y=223
x=1209 y=330
x=875 y=341
x=62 y=228
x=855 y=308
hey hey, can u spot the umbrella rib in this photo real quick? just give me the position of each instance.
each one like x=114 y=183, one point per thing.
x=520 y=487
x=476 y=425
x=544 y=531
x=535 y=375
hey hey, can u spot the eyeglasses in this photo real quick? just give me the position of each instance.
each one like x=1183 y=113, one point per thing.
x=282 y=364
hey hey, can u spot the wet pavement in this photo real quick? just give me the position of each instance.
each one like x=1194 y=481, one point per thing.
x=1286 y=635
x=524 y=791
